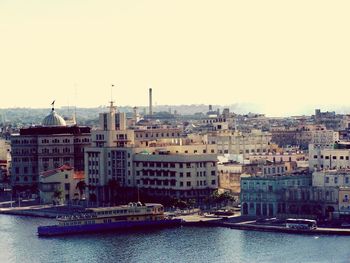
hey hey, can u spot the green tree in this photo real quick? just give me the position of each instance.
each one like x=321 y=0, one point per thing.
x=57 y=195
x=81 y=185
x=113 y=186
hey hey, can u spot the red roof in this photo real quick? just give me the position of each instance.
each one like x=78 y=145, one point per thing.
x=79 y=175
x=57 y=170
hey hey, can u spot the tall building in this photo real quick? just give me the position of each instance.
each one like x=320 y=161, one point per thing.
x=46 y=147
x=156 y=160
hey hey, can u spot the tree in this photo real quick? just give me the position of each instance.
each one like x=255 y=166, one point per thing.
x=113 y=185
x=57 y=195
x=221 y=199
x=81 y=185
x=181 y=204
x=191 y=203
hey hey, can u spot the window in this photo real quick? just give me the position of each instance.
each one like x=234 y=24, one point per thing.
x=327 y=180
x=188 y=184
x=67 y=187
x=188 y=174
x=181 y=184
x=213 y=182
x=335 y=180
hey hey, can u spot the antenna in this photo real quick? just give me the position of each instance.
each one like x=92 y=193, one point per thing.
x=112 y=86
x=75 y=102
x=111 y=101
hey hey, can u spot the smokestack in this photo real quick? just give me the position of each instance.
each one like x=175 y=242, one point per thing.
x=150 y=102
x=135 y=115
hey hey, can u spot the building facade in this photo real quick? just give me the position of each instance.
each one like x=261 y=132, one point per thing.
x=42 y=148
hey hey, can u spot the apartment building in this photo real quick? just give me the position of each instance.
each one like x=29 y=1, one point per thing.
x=46 y=147
x=117 y=156
x=235 y=142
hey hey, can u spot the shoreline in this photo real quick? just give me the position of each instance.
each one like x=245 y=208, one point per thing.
x=237 y=222
x=276 y=229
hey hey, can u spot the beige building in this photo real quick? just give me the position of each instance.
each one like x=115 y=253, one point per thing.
x=235 y=142
x=118 y=155
x=5 y=159
x=61 y=180
x=344 y=202
x=230 y=177
x=176 y=175
x=336 y=178
x=328 y=158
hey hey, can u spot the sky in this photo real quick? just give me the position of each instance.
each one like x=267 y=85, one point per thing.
x=282 y=57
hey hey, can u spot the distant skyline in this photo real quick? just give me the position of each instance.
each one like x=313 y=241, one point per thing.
x=281 y=57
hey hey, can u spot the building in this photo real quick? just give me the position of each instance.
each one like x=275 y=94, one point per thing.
x=263 y=196
x=234 y=142
x=334 y=178
x=46 y=147
x=328 y=158
x=5 y=160
x=117 y=157
x=230 y=177
x=182 y=176
x=331 y=120
x=59 y=185
x=344 y=203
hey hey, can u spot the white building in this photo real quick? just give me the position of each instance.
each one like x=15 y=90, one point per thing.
x=62 y=180
x=328 y=158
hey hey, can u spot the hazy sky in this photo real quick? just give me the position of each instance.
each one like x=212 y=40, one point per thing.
x=284 y=56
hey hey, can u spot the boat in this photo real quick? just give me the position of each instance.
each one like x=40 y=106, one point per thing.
x=133 y=215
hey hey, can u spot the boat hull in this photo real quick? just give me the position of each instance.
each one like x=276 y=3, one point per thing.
x=56 y=230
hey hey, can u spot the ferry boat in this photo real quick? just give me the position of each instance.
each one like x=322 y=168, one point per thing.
x=110 y=218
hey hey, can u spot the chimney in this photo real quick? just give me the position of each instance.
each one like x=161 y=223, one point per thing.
x=150 y=102
x=135 y=115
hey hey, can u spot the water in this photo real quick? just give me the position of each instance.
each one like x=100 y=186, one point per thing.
x=19 y=243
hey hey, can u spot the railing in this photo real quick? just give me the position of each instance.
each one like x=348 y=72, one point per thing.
x=76 y=217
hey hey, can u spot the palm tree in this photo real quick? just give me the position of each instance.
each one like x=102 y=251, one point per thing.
x=57 y=195
x=113 y=185
x=81 y=185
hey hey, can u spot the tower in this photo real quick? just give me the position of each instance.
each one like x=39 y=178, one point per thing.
x=150 y=102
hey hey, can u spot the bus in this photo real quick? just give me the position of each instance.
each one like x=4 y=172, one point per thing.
x=301 y=223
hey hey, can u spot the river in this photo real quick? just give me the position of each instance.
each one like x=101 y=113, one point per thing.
x=19 y=243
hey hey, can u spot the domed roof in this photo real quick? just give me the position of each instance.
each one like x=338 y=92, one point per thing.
x=53 y=119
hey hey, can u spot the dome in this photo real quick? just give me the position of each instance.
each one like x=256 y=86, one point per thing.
x=53 y=119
